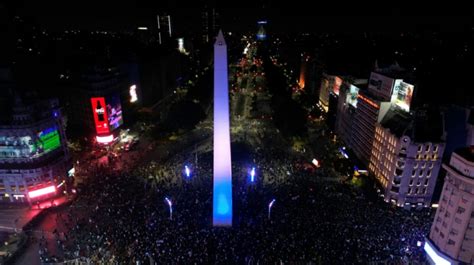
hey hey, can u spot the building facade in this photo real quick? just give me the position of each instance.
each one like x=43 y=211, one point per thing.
x=369 y=111
x=96 y=107
x=329 y=84
x=165 y=30
x=451 y=238
x=33 y=152
x=362 y=104
x=405 y=165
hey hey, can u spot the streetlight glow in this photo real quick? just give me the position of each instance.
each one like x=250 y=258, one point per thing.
x=187 y=171
x=252 y=175
x=170 y=204
x=270 y=205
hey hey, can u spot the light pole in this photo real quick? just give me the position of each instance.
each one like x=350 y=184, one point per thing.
x=252 y=175
x=187 y=171
x=270 y=205
x=170 y=204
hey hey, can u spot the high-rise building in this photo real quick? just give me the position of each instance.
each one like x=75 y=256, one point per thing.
x=369 y=106
x=329 y=84
x=210 y=23
x=97 y=105
x=165 y=30
x=34 y=157
x=346 y=108
x=368 y=112
x=457 y=123
x=406 y=156
x=261 y=33
x=303 y=71
x=451 y=239
x=222 y=187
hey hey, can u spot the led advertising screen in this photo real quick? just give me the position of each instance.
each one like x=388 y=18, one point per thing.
x=337 y=85
x=380 y=85
x=403 y=95
x=133 y=93
x=27 y=146
x=48 y=140
x=114 y=111
x=351 y=97
x=100 y=115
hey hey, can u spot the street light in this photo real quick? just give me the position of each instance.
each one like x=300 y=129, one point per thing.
x=170 y=204
x=270 y=205
x=252 y=175
x=187 y=171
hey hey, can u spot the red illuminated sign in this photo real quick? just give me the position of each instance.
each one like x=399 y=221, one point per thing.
x=370 y=102
x=100 y=115
x=40 y=192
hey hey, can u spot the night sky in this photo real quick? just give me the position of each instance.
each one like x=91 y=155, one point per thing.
x=299 y=17
x=449 y=48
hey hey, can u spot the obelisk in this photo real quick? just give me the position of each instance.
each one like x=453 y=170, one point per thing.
x=222 y=184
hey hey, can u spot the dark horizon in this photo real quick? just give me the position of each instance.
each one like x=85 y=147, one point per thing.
x=107 y=16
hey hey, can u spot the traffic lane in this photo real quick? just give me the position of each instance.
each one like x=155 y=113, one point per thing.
x=30 y=256
x=16 y=218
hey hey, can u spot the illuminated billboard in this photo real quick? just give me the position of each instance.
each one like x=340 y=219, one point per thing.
x=43 y=191
x=380 y=85
x=100 y=115
x=28 y=146
x=351 y=97
x=48 y=140
x=337 y=85
x=114 y=112
x=133 y=93
x=402 y=95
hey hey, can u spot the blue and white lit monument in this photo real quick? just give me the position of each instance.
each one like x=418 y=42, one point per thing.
x=222 y=189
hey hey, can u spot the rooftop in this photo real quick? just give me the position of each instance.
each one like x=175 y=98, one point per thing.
x=396 y=121
x=424 y=126
x=466 y=153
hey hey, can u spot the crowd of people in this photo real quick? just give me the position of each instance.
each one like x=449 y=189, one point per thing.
x=122 y=218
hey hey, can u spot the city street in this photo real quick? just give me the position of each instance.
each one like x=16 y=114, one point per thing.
x=291 y=210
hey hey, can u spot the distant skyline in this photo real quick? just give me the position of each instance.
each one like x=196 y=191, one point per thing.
x=119 y=16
